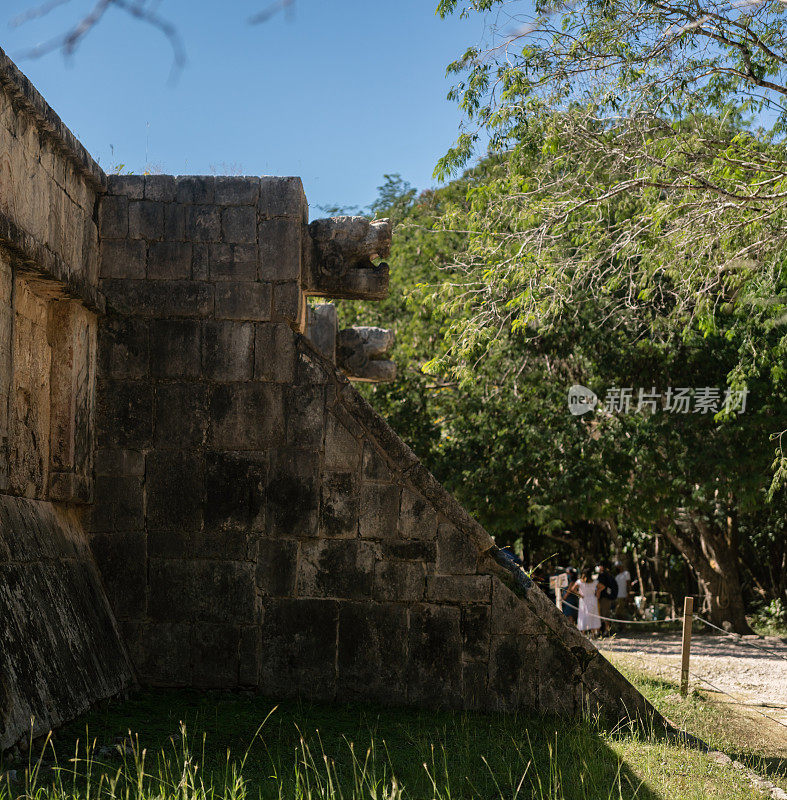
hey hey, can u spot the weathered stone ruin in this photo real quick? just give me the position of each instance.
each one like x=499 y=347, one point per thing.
x=191 y=491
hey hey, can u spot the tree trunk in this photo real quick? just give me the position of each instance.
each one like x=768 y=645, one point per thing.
x=617 y=540
x=712 y=554
x=640 y=582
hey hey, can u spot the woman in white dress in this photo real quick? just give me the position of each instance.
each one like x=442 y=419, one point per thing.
x=588 y=591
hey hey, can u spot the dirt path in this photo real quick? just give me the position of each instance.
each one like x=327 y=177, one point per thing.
x=753 y=677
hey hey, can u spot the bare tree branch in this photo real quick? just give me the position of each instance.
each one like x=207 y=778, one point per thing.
x=69 y=41
x=37 y=12
x=144 y=10
x=270 y=11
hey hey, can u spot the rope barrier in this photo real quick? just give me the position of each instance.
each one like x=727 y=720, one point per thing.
x=635 y=621
x=735 y=637
x=739 y=640
x=735 y=700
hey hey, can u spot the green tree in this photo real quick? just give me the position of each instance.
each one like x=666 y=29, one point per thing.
x=498 y=432
x=680 y=104
x=642 y=190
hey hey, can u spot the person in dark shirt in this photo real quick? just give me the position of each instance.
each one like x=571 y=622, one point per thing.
x=571 y=599
x=608 y=595
x=510 y=551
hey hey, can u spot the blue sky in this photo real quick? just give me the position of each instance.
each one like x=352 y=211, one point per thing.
x=338 y=92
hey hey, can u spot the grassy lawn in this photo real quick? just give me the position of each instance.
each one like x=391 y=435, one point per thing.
x=244 y=746
x=736 y=731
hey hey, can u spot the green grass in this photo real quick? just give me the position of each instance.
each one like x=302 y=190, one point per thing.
x=753 y=741
x=768 y=627
x=239 y=746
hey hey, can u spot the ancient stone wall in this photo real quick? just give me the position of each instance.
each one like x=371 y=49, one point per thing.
x=59 y=645
x=49 y=185
x=186 y=477
x=257 y=523
x=49 y=298
x=47 y=392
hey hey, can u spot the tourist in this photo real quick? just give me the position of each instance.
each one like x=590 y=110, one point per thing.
x=588 y=592
x=571 y=599
x=609 y=591
x=623 y=580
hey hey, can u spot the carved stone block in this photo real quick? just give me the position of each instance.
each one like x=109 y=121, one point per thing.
x=358 y=350
x=341 y=258
x=322 y=328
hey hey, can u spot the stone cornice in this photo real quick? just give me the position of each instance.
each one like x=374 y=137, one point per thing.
x=28 y=98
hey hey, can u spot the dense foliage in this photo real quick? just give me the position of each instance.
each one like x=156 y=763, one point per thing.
x=627 y=231
x=678 y=106
x=501 y=437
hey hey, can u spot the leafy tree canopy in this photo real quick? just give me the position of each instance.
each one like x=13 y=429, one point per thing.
x=644 y=161
x=502 y=438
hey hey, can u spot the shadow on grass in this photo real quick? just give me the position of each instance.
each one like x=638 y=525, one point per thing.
x=771 y=767
x=719 y=724
x=432 y=754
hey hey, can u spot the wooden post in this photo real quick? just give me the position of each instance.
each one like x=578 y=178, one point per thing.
x=557 y=583
x=688 y=617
